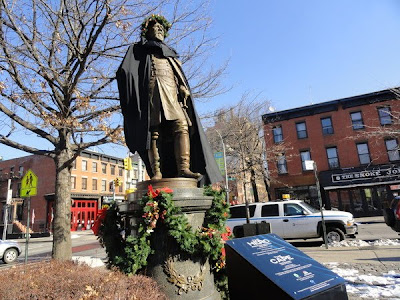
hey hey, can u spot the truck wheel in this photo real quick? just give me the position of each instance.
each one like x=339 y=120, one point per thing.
x=10 y=255
x=334 y=234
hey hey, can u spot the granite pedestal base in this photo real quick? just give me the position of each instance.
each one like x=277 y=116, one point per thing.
x=179 y=275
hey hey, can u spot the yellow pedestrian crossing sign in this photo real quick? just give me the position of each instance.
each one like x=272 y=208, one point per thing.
x=29 y=184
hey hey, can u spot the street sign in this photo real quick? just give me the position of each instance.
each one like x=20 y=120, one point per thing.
x=29 y=184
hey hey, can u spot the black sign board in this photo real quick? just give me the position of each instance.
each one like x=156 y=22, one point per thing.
x=267 y=264
x=361 y=175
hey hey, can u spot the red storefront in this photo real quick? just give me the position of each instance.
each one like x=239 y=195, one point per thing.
x=83 y=214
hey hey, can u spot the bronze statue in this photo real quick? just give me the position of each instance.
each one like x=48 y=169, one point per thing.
x=160 y=121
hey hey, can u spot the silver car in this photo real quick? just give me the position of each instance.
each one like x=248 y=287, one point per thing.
x=9 y=251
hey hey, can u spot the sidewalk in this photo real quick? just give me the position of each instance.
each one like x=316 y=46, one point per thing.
x=368 y=220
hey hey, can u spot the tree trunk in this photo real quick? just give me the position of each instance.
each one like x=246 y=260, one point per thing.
x=254 y=185
x=266 y=183
x=62 y=247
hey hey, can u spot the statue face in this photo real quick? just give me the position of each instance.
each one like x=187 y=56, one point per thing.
x=155 y=32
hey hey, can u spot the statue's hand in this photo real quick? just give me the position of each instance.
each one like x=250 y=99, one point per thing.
x=184 y=92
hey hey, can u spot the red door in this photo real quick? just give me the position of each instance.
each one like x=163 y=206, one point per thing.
x=83 y=214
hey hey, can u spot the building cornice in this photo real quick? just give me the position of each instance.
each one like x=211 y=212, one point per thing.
x=328 y=106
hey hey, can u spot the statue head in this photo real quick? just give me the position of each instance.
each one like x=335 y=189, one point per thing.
x=155 y=28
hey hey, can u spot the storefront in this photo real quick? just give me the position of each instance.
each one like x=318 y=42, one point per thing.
x=308 y=193
x=84 y=211
x=361 y=191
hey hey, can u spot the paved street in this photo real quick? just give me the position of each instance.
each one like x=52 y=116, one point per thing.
x=373 y=260
x=84 y=243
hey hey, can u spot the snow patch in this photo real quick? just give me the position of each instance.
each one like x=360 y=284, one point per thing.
x=93 y=262
x=369 y=286
x=361 y=243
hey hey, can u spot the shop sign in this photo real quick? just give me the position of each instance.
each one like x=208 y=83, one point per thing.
x=366 y=174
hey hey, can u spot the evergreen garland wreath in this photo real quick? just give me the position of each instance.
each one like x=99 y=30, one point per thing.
x=130 y=254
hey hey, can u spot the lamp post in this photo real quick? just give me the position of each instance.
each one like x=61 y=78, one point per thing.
x=226 y=169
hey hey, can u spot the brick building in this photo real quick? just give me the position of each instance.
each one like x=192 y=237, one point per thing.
x=91 y=187
x=353 y=142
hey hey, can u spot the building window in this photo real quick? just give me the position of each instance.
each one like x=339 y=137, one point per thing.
x=84 y=165
x=333 y=160
x=94 y=167
x=135 y=173
x=20 y=171
x=73 y=182
x=281 y=164
x=104 y=185
x=112 y=169
x=104 y=168
x=84 y=183
x=363 y=153
x=392 y=148
x=301 y=130
x=120 y=189
x=304 y=155
x=74 y=164
x=356 y=120
x=384 y=115
x=327 y=127
x=278 y=135
x=120 y=171
x=94 y=184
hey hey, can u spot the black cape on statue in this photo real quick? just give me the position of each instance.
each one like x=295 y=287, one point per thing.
x=133 y=80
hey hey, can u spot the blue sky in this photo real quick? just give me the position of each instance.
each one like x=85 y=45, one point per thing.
x=300 y=52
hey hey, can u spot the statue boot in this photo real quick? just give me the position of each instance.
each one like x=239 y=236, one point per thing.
x=182 y=155
x=154 y=157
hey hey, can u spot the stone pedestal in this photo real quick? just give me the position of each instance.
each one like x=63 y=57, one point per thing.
x=178 y=275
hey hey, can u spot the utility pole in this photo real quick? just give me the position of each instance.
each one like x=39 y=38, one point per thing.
x=8 y=201
x=27 y=229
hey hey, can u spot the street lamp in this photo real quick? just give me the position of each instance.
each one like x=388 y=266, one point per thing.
x=226 y=168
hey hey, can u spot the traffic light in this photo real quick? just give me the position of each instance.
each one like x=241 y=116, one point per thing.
x=127 y=163
x=117 y=182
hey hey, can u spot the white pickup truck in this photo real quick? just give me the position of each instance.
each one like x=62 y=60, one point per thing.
x=295 y=219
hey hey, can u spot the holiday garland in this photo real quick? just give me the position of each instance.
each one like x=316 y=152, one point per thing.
x=130 y=254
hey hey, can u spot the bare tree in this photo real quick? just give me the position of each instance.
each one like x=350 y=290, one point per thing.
x=57 y=68
x=241 y=129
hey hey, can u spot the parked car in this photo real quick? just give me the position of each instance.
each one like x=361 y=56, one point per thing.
x=392 y=214
x=9 y=251
x=295 y=219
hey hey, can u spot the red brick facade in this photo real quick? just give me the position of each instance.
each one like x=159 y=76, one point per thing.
x=94 y=191
x=341 y=137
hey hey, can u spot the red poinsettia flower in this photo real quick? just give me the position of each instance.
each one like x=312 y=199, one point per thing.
x=225 y=236
x=151 y=192
x=166 y=190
